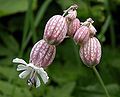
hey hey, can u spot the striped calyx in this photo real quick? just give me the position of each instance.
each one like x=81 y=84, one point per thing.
x=55 y=30
x=82 y=35
x=90 y=52
x=89 y=23
x=42 y=54
x=73 y=26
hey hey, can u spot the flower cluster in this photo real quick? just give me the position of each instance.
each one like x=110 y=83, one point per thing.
x=83 y=33
x=56 y=30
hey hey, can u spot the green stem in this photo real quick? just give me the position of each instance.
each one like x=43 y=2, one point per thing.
x=112 y=31
x=41 y=12
x=100 y=80
x=26 y=27
x=25 y=30
x=38 y=18
x=112 y=34
x=32 y=26
x=104 y=28
x=76 y=52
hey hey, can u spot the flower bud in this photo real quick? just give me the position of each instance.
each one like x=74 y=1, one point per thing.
x=42 y=54
x=73 y=26
x=71 y=15
x=89 y=23
x=90 y=52
x=82 y=35
x=92 y=30
x=55 y=30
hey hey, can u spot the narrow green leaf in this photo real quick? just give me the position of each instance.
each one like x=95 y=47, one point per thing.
x=6 y=7
x=104 y=28
x=10 y=42
x=7 y=88
x=64 y=91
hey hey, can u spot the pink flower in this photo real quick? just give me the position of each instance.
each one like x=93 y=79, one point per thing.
x=90 y=52
x=73 y=27
x=55 y=30
x=42 y=55
x=82 y=35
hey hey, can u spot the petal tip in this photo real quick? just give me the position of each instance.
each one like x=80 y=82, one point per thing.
x=15 y=60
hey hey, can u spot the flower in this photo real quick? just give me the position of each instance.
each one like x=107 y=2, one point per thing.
x=89 y=23
x=31 y=70
x=73 y=27
x=71 y=15
x=90 y=52
x=42 y=54
x=55 y=30
x=82 y=35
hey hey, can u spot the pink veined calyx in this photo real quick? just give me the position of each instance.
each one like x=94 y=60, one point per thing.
x=42 y=55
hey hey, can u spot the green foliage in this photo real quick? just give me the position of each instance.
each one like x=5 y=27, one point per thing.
x=68 y=76
x=64 y=91
x=85 y=10
x=18 y=92
x=8 y=7
x=9 y=49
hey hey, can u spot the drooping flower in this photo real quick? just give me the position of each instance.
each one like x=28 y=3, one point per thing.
x=42 y=55
x=73 y=27
x=55 y=30
x=89 y=23
x=71 y=15
x=30 y=69
x=90 y=52
x=82 y=35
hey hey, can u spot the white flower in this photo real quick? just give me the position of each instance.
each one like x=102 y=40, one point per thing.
x=32 y=70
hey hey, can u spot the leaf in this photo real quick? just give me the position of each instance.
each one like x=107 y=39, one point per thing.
x=67 y=66
x=9 y=47
x=97 y=91
x=5 y=51
x=7 y=72
x=64 y=91
x=97 y=12
x=10 y=74
x=68 y=72
x=114 y=89
x=104 y=28
x=10 y=90
x=114 y=57
x=83 y=7
x=67 y=49
x=9 y=42
x=6 y=61
x=8 y=7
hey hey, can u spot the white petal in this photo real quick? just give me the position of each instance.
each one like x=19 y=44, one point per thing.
x=24 y=74
x=37 y=82
x=21 y=67
x=92 y=28
x=21 y=61
x=43 y=75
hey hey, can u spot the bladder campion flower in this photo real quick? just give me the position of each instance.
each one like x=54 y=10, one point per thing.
x=73 y=26
x=71 y=15
x=55 y=30
x=42 y=55
x=89 y=23
x=90 y=52
x=82 y=35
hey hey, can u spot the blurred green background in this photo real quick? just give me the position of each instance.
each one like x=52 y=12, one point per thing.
x=22 y=24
